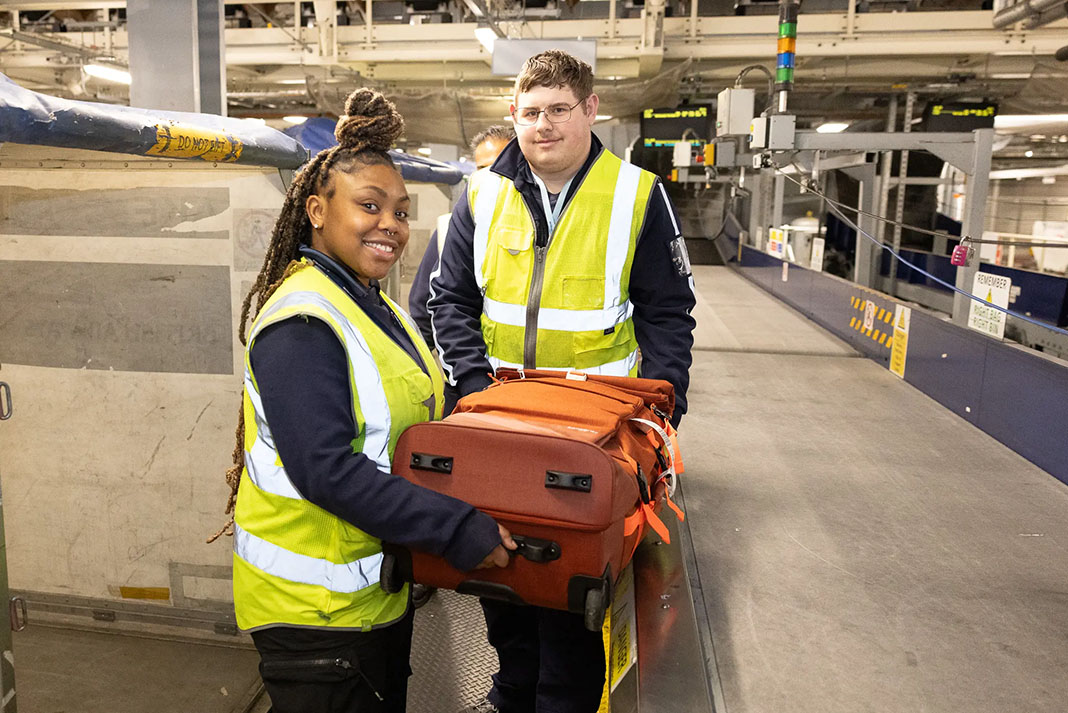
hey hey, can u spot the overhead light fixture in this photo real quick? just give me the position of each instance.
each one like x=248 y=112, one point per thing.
x=108 y=74
x=602 y=117
x=294 y=119
x=291 y=81
x=256 y=120
x=1019 y=121
x=831 y=127
x=423 y=150
x=486 y=37
x=1029 y=153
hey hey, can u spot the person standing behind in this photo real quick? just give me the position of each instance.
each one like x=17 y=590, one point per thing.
x=559 y=256
x=334 y=372
x=486 y=146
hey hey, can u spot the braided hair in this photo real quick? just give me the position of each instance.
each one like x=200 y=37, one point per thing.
x=369 y=128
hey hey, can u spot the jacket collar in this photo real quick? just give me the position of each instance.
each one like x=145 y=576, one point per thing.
x=341 y=275
x=513 y=165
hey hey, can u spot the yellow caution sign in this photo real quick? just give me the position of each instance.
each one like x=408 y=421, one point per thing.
x=899 y=343
x=176 y=141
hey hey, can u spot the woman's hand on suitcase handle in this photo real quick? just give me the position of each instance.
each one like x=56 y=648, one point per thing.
x=498 y=557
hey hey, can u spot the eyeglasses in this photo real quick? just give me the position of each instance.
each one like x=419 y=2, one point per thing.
x=556 y=114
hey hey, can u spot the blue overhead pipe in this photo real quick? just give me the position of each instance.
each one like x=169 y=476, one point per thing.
x=28 y=117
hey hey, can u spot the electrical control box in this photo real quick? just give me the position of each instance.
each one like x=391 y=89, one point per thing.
x=774 y=132
x=734 y=111
x=688 y=159
x=723 y=154
x=681 y=154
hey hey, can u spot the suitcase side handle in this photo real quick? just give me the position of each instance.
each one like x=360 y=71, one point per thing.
x=581 y=482
x=433 y=463
x=536 y=550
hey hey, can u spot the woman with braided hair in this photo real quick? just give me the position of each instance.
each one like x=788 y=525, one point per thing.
x=334 y=372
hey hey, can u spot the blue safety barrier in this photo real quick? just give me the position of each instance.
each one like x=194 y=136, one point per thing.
x=31 y=118
x=317 y=134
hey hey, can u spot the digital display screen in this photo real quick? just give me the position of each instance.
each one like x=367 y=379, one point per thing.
x=664 y=127
x=959 y=116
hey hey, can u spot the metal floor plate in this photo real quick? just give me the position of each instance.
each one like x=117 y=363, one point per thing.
x=451 y=660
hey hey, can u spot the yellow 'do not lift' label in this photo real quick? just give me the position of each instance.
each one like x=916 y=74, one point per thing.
x=176 y=141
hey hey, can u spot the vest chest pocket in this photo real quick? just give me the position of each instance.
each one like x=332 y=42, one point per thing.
x=420 y=387
x=414 y=390
x=509 y=263
x=513 y=240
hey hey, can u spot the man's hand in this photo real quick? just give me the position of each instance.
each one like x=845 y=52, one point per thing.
x=498 y=557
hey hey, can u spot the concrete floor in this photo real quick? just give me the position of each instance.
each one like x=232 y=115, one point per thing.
x=860 y=548
x=65 y=670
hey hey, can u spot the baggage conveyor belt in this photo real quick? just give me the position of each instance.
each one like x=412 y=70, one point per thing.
x=452 y=662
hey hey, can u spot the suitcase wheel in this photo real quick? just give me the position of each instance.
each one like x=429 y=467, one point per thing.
x=596 y=601
x=389 y=576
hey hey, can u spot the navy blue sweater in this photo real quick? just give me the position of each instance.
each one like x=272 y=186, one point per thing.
x=420 y=292
x=661 y=287
x=302 y=372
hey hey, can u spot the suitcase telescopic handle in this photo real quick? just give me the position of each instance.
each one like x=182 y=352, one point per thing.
x=536 y=550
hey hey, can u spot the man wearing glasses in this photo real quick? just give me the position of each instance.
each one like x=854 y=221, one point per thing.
x=559 y=256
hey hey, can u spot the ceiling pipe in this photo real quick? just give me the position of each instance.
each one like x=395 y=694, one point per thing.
x=1025 y=10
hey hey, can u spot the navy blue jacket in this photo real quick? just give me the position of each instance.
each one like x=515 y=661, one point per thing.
x=420 y=292
x=661 y=287
x=302 y=372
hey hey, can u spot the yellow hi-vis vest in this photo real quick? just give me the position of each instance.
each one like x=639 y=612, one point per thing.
x=566 y=306
x=296 y=564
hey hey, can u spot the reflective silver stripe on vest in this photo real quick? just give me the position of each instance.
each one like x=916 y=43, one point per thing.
x=619 y=230
x=280 y=562
x=622 y=367
x=262 y=460
x=564 y=320
x=489 y=188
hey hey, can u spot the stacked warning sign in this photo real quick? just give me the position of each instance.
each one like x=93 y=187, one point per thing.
x=995 y=290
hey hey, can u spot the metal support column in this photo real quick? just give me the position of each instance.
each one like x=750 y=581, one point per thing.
x=777 y=201
x=974 y=214
x=865 y=267
x=884 y=185
x=767 y=189
x=211 y=56
x=902 y=173
x=754 y=183
x=177 y=55
x=8 y=606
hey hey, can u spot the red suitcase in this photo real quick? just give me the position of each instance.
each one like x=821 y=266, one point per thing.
x=575 y=508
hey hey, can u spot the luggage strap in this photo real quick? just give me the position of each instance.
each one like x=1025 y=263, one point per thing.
x=644 y=514
x=670 y=472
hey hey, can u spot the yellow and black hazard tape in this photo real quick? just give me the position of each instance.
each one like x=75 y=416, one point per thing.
x=883 y=338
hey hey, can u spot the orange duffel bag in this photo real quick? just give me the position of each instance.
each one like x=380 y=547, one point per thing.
x=577 y=467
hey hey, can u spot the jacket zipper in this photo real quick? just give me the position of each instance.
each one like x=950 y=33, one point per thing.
x=541 y=247
x=325 y=663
